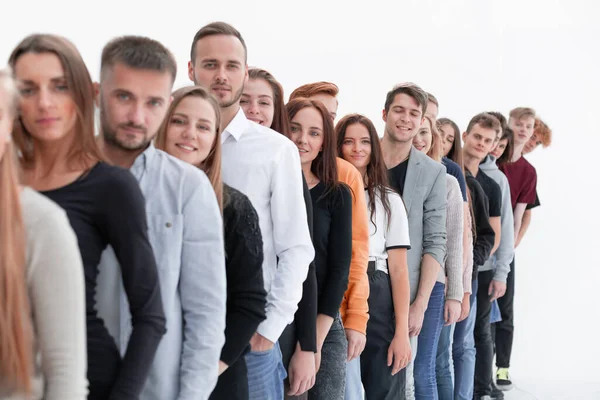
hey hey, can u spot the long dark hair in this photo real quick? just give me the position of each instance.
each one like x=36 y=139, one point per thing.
x=324 y=166
x=376 y=179
x=281 y=122
x=455 y=153
x=507 y=156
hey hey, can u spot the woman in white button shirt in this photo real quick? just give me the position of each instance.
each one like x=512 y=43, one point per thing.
x=387 y=351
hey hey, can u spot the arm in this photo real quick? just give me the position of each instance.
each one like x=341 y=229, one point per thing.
x=524 y=226
x=355 y=309
x=518 y=219
x=57 y=298
x=505 y=253
x=434 y=240
x=455 y=230
x=202 y=287
x=496 y=225
x=292 y=243
x=246 y=295
x=400 y=347
x=124 y=222
x=467 y=249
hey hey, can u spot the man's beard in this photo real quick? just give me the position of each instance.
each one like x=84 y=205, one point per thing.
x=236 y=98
x=110 y=135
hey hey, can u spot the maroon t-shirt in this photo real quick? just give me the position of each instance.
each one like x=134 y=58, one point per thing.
x=522 y=180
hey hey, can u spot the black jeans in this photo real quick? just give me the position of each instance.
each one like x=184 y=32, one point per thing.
x=484 y=347
x=504 y=330
x=377 y=379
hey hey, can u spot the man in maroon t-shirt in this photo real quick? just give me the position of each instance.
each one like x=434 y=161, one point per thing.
x=522 y=180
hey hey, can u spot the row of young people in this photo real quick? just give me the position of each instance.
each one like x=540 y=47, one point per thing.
x=166 y=329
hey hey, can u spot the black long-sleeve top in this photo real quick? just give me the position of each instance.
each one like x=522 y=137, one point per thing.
x=306 y=317
x=246 y=294
x=484 y=233
x=106 y=206
x=332 y=239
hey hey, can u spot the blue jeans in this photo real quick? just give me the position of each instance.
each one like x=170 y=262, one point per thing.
x=463 y=352
x=265 y=374
x=354 y=388
x=424 y=367
x=443 y=367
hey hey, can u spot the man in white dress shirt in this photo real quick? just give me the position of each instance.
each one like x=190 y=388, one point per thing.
x=265 y=166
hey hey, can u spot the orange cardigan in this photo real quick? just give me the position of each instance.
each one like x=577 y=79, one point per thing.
x=354 y=308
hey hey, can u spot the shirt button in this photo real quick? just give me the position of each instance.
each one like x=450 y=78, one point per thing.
x=168 y=225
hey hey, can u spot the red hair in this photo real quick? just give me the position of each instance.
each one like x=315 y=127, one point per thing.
x=312 y=89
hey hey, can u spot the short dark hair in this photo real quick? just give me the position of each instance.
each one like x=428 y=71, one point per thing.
x=139 y=52
x=501 y=118
x=484 y=120
x=409 y=89
x=217 y=28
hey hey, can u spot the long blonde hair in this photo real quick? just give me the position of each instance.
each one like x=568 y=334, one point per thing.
x=16 y=355
x=212 y=164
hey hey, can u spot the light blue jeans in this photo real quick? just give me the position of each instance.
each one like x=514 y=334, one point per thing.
x=265 y=374
x=463 y=352
x=354 y=388
x=443 y=364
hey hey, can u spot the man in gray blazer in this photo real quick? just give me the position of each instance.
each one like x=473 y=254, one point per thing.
x=422 y=184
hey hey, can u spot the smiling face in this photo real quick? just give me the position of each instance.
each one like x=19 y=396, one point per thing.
x=191 y=131
x=403 y=119
x=423 y=140
x=479 y=141
x=356 y=147
x=500 y=148
x=258 y=102
x=47 y=109
x=307 y=134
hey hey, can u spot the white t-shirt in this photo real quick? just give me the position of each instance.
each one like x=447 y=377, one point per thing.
x=387 y=234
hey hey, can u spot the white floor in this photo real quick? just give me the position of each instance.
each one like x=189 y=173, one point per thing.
x=540 y=390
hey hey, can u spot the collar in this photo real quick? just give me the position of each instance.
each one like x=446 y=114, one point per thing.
x=141 y=163
x=236 y=127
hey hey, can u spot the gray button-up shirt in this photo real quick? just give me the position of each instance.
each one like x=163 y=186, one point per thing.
x=186 y=233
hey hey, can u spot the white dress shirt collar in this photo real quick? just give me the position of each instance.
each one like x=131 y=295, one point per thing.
x=236 y=127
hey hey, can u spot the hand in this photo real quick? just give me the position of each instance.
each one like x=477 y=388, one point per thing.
x=465 y=307
x=260 y=343
x=451 y=311
x=416 y=314
x=317 y=362
x=496 y=290
x=222 y=367
x=301 y=371
x=356 y=343
x=399 y=353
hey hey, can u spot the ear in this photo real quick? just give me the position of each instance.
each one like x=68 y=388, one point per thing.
x=464 y=136
x=171 y=100
x=191 y=71
x=384 y=115
x=97 y=94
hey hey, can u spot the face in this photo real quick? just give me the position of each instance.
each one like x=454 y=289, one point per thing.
x=220 y=66
x=330 y=103
x=404 y=118
x=258 y=102
x=48 y=111
x=356 y=147
x=447 y=138
x=531 y=144
x=523 y=129
x=191 y=130
x=307 y=133
x=432 y=110
x=479 y=142
x=133 y=104
x=422 y=141
x=6 y=120
x=500 y=148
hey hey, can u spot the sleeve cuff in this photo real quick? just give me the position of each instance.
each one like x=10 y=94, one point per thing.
x=356 y=322
x=272 y=327
x=500 y=276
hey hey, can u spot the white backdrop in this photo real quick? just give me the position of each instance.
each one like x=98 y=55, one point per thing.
x=473 y=55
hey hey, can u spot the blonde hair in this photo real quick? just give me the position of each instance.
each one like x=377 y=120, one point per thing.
x=212 y=164
x=437 y=149
x=16 y=356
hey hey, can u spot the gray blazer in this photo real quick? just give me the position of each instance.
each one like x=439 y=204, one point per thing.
x=425 y=200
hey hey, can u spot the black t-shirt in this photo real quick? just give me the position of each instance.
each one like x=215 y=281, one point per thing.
x=106 y=206
x=492 y=191
x=397 y=176
x=535 y=204
x=246 y=294
x=332 y=239
x=484 y=233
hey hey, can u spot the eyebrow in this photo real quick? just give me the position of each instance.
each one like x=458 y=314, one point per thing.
x=58 y=79
x=186 y=116
x=312 y=127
